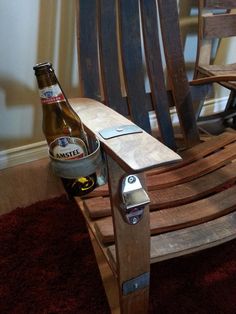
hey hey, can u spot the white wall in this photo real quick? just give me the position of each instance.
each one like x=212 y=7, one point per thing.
x=32 y=32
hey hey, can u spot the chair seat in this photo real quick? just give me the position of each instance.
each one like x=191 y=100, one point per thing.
x=165 y=220
x=181 y=194
x=189 y=240
x=188 y=200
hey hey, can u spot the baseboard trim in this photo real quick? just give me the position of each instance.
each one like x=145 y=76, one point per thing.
x=23 y=154
x=212 y=106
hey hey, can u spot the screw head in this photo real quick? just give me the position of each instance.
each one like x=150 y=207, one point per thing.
x=120 y=129
x=136 y=285
x=134 y=220
x=131 y=179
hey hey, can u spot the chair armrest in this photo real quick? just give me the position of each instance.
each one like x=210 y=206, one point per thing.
x=134 y=152
x=213 y=79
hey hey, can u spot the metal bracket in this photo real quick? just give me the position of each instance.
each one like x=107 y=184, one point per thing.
x=134 y=198
x=119 y=131
x=136 y=283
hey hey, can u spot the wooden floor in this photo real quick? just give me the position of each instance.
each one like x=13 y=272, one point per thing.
x=26 y=184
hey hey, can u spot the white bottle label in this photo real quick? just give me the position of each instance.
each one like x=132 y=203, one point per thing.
x=68 y=148
x=51 y=94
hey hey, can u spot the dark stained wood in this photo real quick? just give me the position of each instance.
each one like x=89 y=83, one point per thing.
x=219 y=79
x=194 y=213
x=189 y=156
x=176 y=69
x=109 y=57
x=133 y=62
x=97 y=207
x=193 y=200
x=109 y=281
x=201 y=150
x=215 y=70
x=173 y=196
x=220 y=4
x=216 y=24
x=155 y=70
x=175 y=218
x=219 y=26
x=88 y=49
x=192 y=239
x=203 y=236
x=193 y=190
x=192 y=171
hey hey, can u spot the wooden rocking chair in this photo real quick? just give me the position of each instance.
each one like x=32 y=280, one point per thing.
x=193 y=199
x=216 y=21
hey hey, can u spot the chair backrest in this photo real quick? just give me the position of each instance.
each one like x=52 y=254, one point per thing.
x=216 y=20
x=120 y=60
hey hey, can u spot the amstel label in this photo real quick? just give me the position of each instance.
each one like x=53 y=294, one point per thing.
x=68 y=148
x=51 y=94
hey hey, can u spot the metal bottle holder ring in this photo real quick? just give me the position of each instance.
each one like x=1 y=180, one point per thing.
x=85 y=166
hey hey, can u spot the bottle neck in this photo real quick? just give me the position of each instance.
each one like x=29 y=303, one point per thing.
x=45 y=77
x=50 y=90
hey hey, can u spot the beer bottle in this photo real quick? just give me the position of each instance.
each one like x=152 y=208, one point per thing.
x=62 y=128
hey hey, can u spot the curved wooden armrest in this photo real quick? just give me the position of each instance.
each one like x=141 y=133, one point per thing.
x=213 y=79
x=133 y=152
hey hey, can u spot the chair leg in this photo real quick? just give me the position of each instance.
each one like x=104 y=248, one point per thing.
x=132 y=249
x=108 y=278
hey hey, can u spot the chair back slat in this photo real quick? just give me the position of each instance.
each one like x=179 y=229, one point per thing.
x=155 y=71
x=219 y=26
x=169 y=21
x=133 y=62
x=88 y=49
x=220 y=4
x=109 y=57
x=120 y=57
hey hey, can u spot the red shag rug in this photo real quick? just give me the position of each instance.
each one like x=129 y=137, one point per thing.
x=47 y=266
